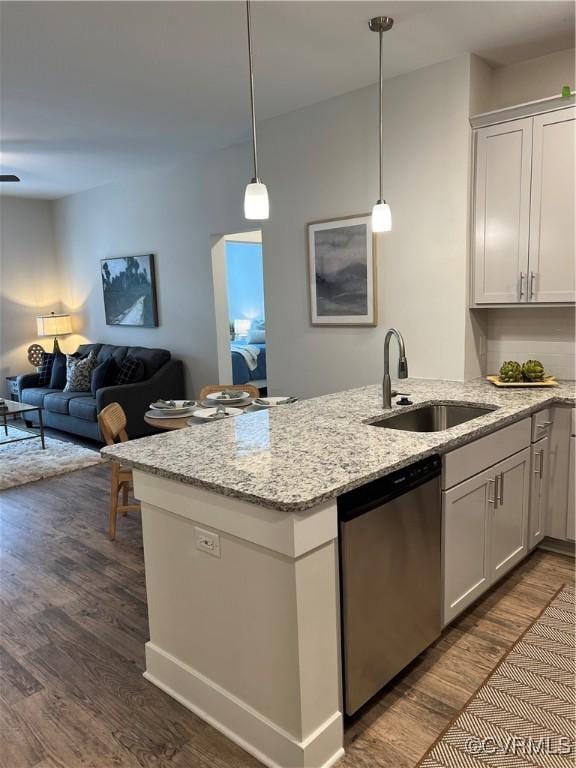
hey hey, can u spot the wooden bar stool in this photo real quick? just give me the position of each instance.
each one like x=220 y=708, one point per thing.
x=210 y=388
x=112 y=421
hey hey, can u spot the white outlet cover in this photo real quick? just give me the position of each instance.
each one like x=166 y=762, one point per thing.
x=207 y=541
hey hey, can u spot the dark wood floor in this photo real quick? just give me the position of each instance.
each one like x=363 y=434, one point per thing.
x=73 y=628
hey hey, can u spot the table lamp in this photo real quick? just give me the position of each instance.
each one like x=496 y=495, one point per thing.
x=54 y=325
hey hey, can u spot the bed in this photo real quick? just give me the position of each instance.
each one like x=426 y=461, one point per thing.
x=241 y=373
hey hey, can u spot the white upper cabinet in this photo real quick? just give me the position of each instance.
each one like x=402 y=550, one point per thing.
x=502 y=217
x=523 y=244
x=551 y=249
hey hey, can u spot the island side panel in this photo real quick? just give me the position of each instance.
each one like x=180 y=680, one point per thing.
x=248 y=640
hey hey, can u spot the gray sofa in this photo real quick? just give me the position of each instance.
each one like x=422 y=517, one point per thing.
x=77 y=412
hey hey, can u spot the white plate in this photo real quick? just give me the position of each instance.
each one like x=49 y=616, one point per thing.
x=178 y=408
x=160 y=415
x=215 y=396
x=208 y=413
x=272 y=402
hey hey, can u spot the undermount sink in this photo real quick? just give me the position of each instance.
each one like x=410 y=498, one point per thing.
x=433 y=418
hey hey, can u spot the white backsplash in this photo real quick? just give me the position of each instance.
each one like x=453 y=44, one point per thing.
x=540 y=333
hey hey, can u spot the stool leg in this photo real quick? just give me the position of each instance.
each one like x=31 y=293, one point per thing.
x=113 y=502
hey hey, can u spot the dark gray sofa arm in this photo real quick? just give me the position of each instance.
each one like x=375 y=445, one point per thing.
x=26 y=381
x=167 y=382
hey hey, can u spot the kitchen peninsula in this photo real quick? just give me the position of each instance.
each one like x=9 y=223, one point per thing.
x=240 y=524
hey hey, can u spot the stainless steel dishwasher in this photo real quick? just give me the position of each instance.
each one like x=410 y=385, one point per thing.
x=390 y=571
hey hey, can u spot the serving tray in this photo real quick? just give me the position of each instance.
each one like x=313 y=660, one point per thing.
x=548 y=381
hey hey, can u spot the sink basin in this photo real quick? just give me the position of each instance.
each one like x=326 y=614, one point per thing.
x=433 y=418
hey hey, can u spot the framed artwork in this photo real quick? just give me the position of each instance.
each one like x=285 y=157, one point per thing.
x=342 y=271
x=129 y=285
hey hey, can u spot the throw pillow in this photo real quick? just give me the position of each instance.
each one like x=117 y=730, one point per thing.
x=256 y=336
x=131 y=371
x=78 y=372
x=104 y=375
x=58 y=376
x=45 y=369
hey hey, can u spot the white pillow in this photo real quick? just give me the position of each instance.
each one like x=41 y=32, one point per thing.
x=256 y=336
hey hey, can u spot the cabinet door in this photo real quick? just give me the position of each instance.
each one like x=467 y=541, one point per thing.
x=539 y=484
x=465 y=550
x=551 y=258
x=508 y=528
x=571 y=521
x=502 y=212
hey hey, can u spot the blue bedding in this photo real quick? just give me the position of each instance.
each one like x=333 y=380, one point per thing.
x=241 y=374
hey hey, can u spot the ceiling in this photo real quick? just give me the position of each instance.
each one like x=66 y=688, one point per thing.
x=92 y=92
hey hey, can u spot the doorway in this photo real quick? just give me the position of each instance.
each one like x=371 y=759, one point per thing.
x=238 y=275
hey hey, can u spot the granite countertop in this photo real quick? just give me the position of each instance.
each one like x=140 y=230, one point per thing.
x=295 y=457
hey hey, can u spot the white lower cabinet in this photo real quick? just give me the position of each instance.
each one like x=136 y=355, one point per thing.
x=485 y=530
x=539 y=484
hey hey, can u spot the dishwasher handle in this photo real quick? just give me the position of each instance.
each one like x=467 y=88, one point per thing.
x=385 y=489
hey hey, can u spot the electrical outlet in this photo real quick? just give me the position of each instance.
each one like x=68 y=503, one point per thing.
x=207 y=541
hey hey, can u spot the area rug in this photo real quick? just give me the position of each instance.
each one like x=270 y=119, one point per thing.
x=25 y=461
x=523 y=714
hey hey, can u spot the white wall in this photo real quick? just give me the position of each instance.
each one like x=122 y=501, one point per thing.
x=532 y=79
x=318 y=162
x=532 y=333
x=174 y=215
x=29 y=279
x=321 y=162
x=495 y=88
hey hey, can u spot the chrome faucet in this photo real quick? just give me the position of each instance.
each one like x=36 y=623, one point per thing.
x=402 y=365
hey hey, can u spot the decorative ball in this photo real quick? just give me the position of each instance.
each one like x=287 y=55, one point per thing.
x=35 y=355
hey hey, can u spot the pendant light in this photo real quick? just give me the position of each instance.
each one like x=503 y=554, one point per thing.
x=381 y=214
x=256 y=206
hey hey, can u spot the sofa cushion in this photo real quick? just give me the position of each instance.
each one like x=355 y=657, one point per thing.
x=45 y=369
x=83 y=407
x=78 y=372
x=131 y=371
x=104 y=375
x=85 y=349
x=59 y=402
x=153 y=359
x=36 y=395
x=112 y=351
x=58 y=376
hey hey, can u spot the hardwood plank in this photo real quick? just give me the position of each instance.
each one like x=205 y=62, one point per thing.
x=17 y=681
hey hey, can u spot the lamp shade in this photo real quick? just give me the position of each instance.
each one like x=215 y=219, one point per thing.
x=242 y=326
x=256 y=206
x=381 y=217
x=54 y=325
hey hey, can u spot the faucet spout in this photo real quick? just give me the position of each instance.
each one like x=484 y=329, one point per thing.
x=402 y=365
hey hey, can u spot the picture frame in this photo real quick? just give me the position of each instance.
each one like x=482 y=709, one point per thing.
x=129 y=289
x=342 y=276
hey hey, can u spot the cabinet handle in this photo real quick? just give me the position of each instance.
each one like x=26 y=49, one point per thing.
x=532 y=278
x=538 y=471
x=501 y=493
x=521 y=285
x=543 y=425
x=491 y=501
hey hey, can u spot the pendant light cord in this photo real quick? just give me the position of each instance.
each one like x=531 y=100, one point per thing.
x=251 y=67
x=380 y=116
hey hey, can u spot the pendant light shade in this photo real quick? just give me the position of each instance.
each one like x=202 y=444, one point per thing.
x=256 y=205
x=381 y=217
x=381 y=213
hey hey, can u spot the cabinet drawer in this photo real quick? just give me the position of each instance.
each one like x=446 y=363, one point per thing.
x=484 y=452
x=541 y=423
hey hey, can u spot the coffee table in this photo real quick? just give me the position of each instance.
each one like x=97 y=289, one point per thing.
x=14 y=409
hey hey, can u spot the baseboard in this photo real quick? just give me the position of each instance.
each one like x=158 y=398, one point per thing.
x=560 y=546
x=262 y=738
